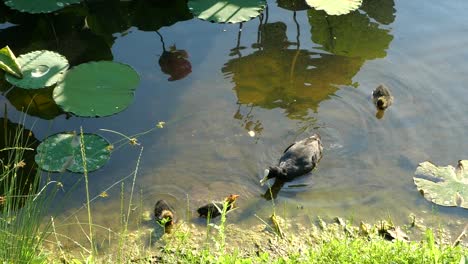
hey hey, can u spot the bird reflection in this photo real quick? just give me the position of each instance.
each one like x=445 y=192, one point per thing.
x=272 y=192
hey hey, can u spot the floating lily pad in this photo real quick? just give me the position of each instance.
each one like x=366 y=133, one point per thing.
x=335 y=7
x=97 y=89
x=40 y=68
x=446 y=186
x=62 y=152
x=9 y=63
x=228 y=11
x=42 y=6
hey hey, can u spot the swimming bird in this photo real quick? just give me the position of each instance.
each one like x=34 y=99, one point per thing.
x=212 y=210
x=299 y=158
x=164 y=214
x=381 y=97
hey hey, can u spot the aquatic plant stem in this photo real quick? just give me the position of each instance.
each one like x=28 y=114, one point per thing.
x=133 y=188
x=88 y=202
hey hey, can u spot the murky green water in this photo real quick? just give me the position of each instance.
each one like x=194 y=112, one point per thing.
x=284 y=76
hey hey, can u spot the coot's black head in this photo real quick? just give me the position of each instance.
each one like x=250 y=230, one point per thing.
x=167 y=218
x=382 y=103
x=272 y=172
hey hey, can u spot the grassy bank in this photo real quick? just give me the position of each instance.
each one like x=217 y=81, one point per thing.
x=335 y=241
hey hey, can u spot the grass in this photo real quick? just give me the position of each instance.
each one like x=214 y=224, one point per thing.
x=332 y=246
x=22 y=203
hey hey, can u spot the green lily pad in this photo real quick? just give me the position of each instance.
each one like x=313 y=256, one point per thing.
x=42 y=6
x=228 y=11
x=40 y=68
x=9 y=63
x=62 y=151
x=446 y=186
x=335 y=7
x=97 y=89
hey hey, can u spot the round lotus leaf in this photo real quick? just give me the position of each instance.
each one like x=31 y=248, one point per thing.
x=446 y=186
x=228 y=11
x=42 y=6
x=97 y=89
x=62 y=151
x=40 y=69
x=335 y=7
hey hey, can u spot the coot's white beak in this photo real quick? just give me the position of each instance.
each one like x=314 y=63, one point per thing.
x=265 y=175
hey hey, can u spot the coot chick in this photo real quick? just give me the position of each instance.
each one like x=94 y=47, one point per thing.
x=211 y=209
x=381 y=97
x=298 y=159
x=164 y=214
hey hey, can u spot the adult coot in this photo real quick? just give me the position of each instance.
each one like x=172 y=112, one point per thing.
x=298 y=159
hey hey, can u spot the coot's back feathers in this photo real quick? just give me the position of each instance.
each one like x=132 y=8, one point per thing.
x=298 y=159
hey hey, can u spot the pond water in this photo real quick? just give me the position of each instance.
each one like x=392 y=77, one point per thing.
x=281 y=77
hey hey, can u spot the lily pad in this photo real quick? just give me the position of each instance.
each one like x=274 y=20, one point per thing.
x=335 y=7
x=62 y=151
x=40 y=68
x=228 y=11
x=9 y=63
x=446 y=186
x=43 y=6
x=97 y=89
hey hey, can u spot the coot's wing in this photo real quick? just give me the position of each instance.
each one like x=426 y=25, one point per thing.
x=289 y=147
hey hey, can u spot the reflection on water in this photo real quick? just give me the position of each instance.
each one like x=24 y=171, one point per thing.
x=37 y=102
x=293 y=5
x=174 y=62
x=292 y=73
x=351 y=35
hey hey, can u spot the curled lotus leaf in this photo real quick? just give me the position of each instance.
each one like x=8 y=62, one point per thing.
x=41 y=68
x=227 y=11
x=43 y=6
x=100 y=88
x=446 y=186
x=9 y=63
x=62 y=151
x=335 y=7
